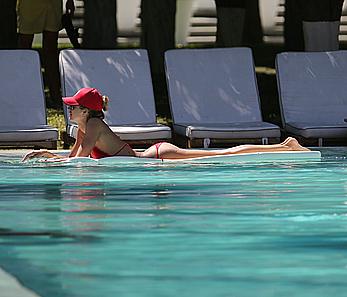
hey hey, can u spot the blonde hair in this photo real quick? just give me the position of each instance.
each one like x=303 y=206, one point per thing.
x=105 y=101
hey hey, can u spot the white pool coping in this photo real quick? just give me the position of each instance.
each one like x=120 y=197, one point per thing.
x=11 y=287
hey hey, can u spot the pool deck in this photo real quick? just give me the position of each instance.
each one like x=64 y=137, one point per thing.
x=10 y=286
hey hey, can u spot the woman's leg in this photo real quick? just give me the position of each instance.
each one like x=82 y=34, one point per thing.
x=170 y=151
x=289 y=144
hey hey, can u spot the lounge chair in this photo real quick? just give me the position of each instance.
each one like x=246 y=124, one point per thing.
x=214 y=97
x=23 y=121
x=124 y=76
x=312 y=92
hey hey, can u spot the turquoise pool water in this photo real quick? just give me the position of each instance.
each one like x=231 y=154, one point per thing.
x=250 y=229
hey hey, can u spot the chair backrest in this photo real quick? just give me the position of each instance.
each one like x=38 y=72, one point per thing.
x=312 y=86
x=212 y=85
x=22 y=98
x=122 y=75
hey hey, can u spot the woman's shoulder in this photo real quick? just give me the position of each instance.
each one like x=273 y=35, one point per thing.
x=96 y=124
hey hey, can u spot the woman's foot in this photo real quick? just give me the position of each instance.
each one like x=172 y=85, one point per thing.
x=288 y=139
x=293 y=144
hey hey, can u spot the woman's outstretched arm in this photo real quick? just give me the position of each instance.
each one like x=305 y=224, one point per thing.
x=47 y=154
x=40 y=154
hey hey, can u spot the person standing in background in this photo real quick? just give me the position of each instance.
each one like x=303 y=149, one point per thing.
x=44 y=16
x=231 y=17
x=100 y=24
x=8 y=33
x=157 y=36
x=312 y=25
x=238 y=23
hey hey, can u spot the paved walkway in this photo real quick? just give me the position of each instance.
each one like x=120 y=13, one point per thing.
x=10 y=286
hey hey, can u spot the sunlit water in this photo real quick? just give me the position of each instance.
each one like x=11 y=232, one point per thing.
x=266 y=229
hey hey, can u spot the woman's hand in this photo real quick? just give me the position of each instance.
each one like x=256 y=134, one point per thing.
x=38 y=154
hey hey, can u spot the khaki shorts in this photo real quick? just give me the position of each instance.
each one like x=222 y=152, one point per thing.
x=36 y=16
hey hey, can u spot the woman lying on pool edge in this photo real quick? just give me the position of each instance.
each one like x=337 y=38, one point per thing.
x=97 y=140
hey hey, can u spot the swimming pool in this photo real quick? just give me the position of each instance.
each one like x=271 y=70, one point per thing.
x=247 y=229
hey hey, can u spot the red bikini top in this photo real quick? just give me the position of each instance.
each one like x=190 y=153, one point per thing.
x=97 y=153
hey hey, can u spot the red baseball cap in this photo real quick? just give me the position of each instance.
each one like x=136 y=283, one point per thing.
x=87 y=97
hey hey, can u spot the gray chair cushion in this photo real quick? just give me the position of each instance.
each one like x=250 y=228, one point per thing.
x=309 y=130
x=228 y=131
x=28 y=134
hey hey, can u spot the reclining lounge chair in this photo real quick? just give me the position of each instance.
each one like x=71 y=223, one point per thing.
x=124 y=76
x=214 y=97
x=23 y=121
x=312 y=91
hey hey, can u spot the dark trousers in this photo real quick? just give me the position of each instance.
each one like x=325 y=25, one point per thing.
x=157 y=36
x=300 y=12
x=238 y=23
x=8 y=24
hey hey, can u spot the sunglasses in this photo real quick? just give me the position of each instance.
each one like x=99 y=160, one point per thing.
x=72 y=107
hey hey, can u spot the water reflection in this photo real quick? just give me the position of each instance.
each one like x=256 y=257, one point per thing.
x=82 y=206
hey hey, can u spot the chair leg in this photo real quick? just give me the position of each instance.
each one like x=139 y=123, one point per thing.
x=265 y=140
x=207 y=142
